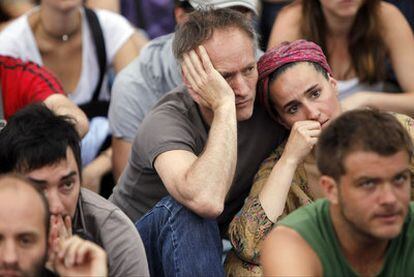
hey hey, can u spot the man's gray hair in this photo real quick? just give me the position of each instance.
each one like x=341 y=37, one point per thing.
x=201 y=25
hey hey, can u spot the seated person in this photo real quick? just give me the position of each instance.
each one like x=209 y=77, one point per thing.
x=196 y=152
x=23 y=83
x=365 y=225
x=24 y=231
x=359 y=38
x=45 y=148
x=150 y=76
x=62 y=37
x=296 y=86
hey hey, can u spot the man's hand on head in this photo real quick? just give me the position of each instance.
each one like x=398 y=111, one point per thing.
x=206 y=85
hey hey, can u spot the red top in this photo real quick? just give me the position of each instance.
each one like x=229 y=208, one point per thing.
x=23 y=83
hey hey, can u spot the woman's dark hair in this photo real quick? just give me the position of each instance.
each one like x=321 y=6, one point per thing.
x=366 y=46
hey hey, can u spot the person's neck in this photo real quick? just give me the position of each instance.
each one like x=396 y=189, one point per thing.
x=58 y=25
x=310 y=159
x=313 y=175
x=338 y=27
x=364 y=253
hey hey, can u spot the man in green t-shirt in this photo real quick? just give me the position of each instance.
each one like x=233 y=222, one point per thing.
x=365 y=225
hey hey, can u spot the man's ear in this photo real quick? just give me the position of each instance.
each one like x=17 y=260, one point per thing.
x=180 y=15
x=330 y=188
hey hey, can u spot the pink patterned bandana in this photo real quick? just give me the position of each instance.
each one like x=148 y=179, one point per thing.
x=287 y=52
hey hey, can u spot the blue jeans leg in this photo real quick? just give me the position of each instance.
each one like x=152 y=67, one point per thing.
x=180 y=243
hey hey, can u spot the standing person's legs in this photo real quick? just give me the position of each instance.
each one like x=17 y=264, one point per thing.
x=180 y=243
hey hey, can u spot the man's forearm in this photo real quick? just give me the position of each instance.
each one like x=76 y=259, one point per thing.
x=211 y=175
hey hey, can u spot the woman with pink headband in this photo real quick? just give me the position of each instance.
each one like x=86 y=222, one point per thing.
x=297 y=89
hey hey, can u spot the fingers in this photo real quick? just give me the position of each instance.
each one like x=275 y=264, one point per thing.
x=307 y=128
x=303 y=137
x=187 y=75
x=53 y=234
x=208 y=87
x=64 y=226
x=197 y=64
x=193 y=68
x=68 y=250
x=205 y=59
x=307 y=124
x=68 y=225
x=76 y=251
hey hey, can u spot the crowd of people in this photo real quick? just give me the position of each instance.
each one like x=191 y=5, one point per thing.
x=270 y=138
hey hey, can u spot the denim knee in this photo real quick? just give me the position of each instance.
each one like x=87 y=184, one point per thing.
x=179 y=242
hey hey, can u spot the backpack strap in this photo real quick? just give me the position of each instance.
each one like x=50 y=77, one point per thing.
x=1 y=103
x=99 y=41
x=2 y=116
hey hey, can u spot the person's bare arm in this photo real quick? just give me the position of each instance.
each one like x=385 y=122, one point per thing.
x=303 y=137
x=286 y=253
x=128 y=51
x=111 y=5
x=399 y=40
x=201 y=183
x=16 y=8
x=139 y=39
x=286 y=26
x=121 y=151
x=62 y=105
x=93 y=173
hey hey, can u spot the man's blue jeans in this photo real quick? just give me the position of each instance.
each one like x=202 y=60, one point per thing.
x=178 y=242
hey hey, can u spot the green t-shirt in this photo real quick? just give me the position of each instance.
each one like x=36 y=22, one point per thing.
x=314 y=224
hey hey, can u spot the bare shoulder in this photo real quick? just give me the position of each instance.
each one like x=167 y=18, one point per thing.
x=293 y=10
x=387 y=10
x=286 y=253
x=394 y=27
x=390 y=17
x=287 y=25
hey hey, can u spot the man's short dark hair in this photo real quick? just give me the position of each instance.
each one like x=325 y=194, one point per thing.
x=360 y=130
x=201 y=25
x=39 y=192
x=35 y=137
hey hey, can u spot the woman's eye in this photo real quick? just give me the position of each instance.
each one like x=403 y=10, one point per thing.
x=293 y=109
x=315 y=94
